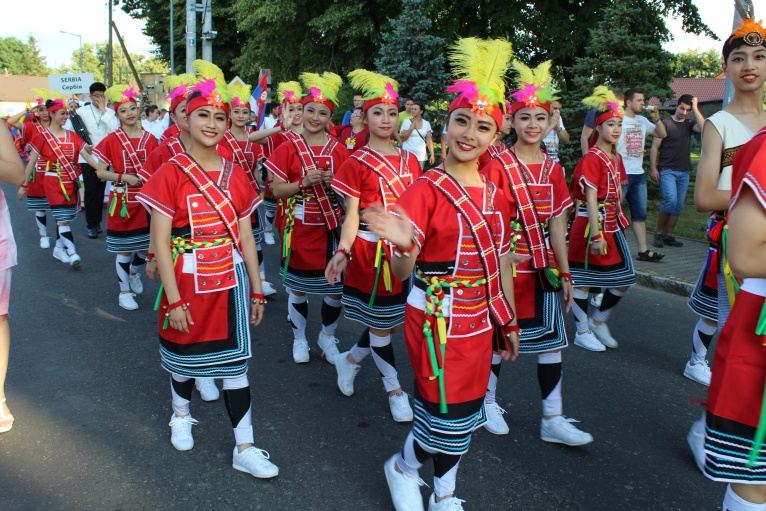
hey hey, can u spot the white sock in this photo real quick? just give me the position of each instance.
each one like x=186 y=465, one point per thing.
x=494 y=375
x=122 y=263
x=703 y=334
x=67 y=239
x=297 y=310
x=383 y=355
x=733 y=502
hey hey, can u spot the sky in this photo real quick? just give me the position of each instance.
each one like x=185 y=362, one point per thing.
x=90 y=18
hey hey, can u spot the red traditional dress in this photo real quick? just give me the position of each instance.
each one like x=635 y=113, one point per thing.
x=370 y=295
x=209 y=268
x=601 y=172
x=735 y=399
x=246 y=155
x=167 y=150
x=61 y=179
x=462 y=233
x=127 y=222
x=36 y=200
x=354 y=140
x=171 y=131
x=493 y=152
x=311 y=217
x=540 y=193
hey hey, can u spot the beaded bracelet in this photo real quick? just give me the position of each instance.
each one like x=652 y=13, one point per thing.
x=175 y=305
x=509 y=329
x=399 y=252
x=346 y=253
x=565 y=276
x=257 y=299
x=150 y=257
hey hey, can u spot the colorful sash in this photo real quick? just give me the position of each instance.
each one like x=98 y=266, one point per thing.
x=239 y=155
x=128 y=149
x=64 y=163
x=495 y=151
x=614 y=190
x=380 y=166
x=525 y=206
x=212 y=192
x=176 y=147
x=330 y=211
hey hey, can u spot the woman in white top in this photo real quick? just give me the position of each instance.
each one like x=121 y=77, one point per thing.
x=416 y=135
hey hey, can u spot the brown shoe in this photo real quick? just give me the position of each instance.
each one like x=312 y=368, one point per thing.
x=659 y=240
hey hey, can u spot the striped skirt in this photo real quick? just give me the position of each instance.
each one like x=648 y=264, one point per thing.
x=448 y=433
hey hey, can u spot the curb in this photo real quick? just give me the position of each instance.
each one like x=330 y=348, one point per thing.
x=665 y=284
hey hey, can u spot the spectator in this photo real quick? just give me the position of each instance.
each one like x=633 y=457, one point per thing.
x=271 y=120
x=358 y=103
x=672 y=168
x=11 y=171
x=152 y=123
x=416 y=135
x=99 y=121
x=557 y=133
x=631 y=147
x=405 y=113
x=590 y=125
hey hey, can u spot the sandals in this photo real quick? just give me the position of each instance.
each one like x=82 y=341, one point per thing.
x=6 y=421
x=650 y=256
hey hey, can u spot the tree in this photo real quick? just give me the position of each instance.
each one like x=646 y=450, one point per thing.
x=413 y=57
x=697 y=64
x=21 y=58
x=94 y=61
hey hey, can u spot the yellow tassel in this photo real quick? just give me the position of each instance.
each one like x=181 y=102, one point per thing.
x=377 y=254
x=387 y=276
x=587 y=230
x=729 y=279
x=441 y=326
x=513 y=269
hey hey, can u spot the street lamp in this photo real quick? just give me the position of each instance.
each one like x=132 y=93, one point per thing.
x=76 y=35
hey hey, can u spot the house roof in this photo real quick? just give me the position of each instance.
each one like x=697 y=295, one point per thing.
x=16 y=88
x=704 y=89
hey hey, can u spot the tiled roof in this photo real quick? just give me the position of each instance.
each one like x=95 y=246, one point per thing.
x=16 y=88
x=705 y=89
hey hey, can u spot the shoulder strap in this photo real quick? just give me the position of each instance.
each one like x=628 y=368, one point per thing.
x=381 y=166
x=239 y=155
x=330 y=213
x=59 y=153
x=127 y=148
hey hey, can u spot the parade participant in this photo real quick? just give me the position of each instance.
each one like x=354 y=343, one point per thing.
x=598 y=252
x=33 y=189
x=57 y=150
x=246 y=154
x=355 y=135
x=734 y=448
x=499 y=146
x=379 y=173
x=12 y=172
x=722 y=136
x=302 y=171
x=206 y=256
x=291 y=120
x=127 y=223
x=541 y=197
x=449 y=229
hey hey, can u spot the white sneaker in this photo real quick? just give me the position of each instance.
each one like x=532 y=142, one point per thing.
x=136 y=286
x=602 y=334
x=588 y=341
x=300 y=351
x=268 y=238
x=346 y=373
x=255 y=462
x=127 y=301
x=329 y=348
x=699 y=372
x=75 y=261
x=181 y=432
x=560 y=430
x=267 y=288
x=696 y=440
x=60 y=254
x=400 y=407
x=596 y=300
x=448 y=504
x=45 y=242
x=404 y=488
x=495 y=423
x=207 y=389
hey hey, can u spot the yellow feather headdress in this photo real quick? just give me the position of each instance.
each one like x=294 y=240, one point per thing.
x=535 y=87
x=123 y=92
x=178 y=88
x=210 y=83
x=605 y=101
x=479 y=66
x=322 y=88
x=43 y=95
x=375 y=88
x=240 y=95
x=290 y=92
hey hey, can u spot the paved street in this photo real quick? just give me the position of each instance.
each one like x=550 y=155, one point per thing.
x=92 y=406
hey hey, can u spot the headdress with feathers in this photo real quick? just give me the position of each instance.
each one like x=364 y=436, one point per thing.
x=748 y=32
x=534 y=87
x=240 y=95
x=122 y=93
x=211 y=88
x=321 y=88
x=43 y=95
x=605 y=102
x=289 y=92
x=178 y=87
x=479 y=67
x=375 y=88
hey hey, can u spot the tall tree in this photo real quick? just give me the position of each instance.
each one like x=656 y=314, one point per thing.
x=21 y=58
x=94 y=59
x=412 y=56
x=697 y=64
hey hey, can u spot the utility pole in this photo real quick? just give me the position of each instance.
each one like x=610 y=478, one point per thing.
x=109 y=55
x=207 y=30
x=172 y=46
x=191 y=34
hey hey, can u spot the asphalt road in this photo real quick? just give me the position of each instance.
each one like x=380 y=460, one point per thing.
x=92 y=406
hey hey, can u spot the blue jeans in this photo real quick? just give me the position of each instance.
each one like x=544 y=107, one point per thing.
x=673 y=184
x=635 y=193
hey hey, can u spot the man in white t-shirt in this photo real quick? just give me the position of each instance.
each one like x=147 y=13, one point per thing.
x=631 y=148
x=557 y=133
